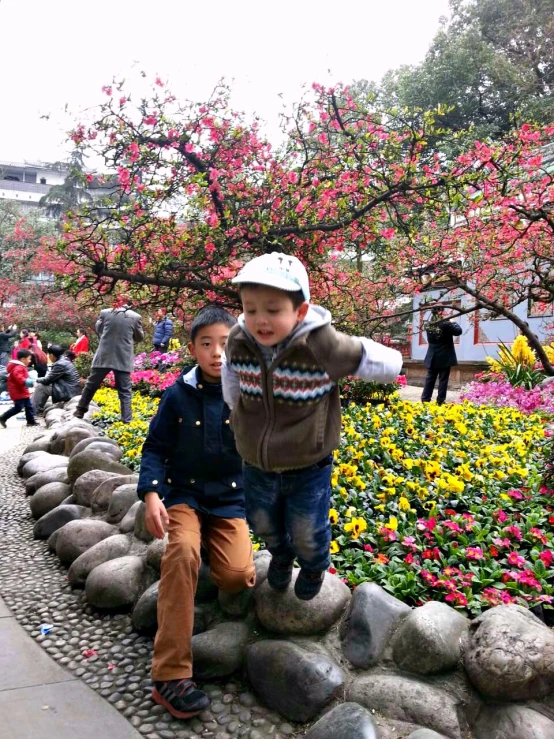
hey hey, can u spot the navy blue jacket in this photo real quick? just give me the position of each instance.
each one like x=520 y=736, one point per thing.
x=163 y=331
x=189 y=455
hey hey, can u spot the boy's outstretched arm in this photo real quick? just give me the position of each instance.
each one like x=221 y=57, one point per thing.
x=230 y=384
x=379 y=363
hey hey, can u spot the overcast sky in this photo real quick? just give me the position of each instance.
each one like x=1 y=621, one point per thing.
x=59 y=53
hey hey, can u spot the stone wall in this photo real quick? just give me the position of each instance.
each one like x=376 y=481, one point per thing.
x=341 y=660
x=460 y=375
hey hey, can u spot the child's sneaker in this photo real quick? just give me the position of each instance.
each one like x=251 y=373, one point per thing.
x=308 y=584
x=180 y=697
x=279 y=574
x=3 y=423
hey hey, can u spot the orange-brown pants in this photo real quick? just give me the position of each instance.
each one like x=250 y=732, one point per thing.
x=227 y=541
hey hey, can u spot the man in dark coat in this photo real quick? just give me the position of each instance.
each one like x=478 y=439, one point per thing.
x=118 y=329
x=7 y=336
x=441 y=355
x=163 y=331
x=61 y=383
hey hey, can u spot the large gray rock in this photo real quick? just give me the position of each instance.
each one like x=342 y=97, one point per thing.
x=296 y=683
x=345 y=721
x=56 y=518
x=371 y=619
x=408 y=699
x=99 y=445
x=220 y=651
x=121 y=501
x=84 y=486
x=48 y=497
x=65 y=439
x=68 y=427
x=115 y=584
x=78 y=536
x=42 y=444
x=262 y=559
x=127 y=525
x=104 y=551
x=93 y=460
x=52 y=539
x=27 y=457
x=429 y=640
x=155 y=552
x=77 y=434
x=236 y=604
x=140 y=530
x=34 y=483
x=85 y=443
x=284 y=613
x=510 y=654
x=512 y=722
x=53 y=416
x=42 y=463
x=426 y=734
x=101 y=496
x=145 y=612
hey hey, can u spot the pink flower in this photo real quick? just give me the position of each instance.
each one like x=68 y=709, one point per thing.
x=474 y=553
x=515 y=559
x=517 y=494
x=150 y=120
x=107 y=89
x=514 y=532
x=546 y=557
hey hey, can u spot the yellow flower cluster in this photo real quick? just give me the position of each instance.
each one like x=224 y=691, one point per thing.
x=400 y=461
x=519 y=353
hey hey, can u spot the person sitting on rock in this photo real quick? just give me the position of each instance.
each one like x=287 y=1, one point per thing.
x=191 y=482
x=61 y=383
x=19 y=383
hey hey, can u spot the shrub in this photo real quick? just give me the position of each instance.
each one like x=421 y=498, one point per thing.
x=83 y=363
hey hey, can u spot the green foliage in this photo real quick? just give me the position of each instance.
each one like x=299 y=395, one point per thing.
x=83 y=363
x=517 y=372
x=362 y=392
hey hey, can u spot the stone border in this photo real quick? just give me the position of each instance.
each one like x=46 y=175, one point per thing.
x=425 y=669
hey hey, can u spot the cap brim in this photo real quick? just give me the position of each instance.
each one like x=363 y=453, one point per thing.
x=269 y=281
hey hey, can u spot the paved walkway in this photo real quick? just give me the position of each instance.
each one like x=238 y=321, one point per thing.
x=38 y=698
x=411 y=392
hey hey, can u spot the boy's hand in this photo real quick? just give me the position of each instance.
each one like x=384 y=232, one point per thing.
x=156 y=518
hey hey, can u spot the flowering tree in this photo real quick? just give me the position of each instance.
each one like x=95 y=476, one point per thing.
x=497 y=246
x=199 y=190
x=29 y=295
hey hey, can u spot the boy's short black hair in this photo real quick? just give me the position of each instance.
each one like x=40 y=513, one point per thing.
x=208 y=316
x=22 y=353
x=296 y=296
x=56 y=350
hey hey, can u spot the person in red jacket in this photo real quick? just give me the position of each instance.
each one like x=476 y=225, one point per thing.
x=81 y=345
x=19 y=383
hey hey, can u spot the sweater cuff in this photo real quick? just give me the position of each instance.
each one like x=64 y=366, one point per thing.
x=379 y=363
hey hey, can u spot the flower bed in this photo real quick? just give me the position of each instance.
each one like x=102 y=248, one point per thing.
x=431 y=502
x=500 y=392
x=444 y=503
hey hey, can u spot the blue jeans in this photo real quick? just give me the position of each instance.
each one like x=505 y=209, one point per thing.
x=290 y=512
x=21 y=405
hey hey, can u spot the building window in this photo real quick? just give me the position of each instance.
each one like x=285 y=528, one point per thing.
x=43 y=180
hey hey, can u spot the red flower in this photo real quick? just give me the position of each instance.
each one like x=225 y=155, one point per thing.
x=546 y=557
x=493 y=551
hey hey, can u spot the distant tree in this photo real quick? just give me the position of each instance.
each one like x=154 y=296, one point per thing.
x=491 y=65
x=63 y=198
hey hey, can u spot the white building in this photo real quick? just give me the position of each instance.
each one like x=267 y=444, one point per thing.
x=481 y=334
x=25 y=183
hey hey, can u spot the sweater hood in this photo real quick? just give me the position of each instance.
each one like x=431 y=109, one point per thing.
x=316 y=317
x=15 y=361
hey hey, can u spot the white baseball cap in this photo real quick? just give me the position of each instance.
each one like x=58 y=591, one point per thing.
x=278 y=270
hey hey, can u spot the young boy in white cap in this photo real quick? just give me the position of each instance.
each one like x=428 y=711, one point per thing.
x=283 y=362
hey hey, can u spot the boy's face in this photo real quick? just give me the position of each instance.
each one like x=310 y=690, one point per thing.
x=269 y=314
x=208 y=348
x=26 y=361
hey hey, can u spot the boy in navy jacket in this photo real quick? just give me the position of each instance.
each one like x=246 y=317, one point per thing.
x=191 y=482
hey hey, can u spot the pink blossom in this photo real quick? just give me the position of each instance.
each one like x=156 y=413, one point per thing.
x=546 y=557
x=474 y=553
x=515 y=559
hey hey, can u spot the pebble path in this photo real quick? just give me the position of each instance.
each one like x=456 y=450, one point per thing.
x=104 y=650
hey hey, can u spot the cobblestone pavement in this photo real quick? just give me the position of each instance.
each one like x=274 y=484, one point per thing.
x=104 y=650
x=413 y=393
